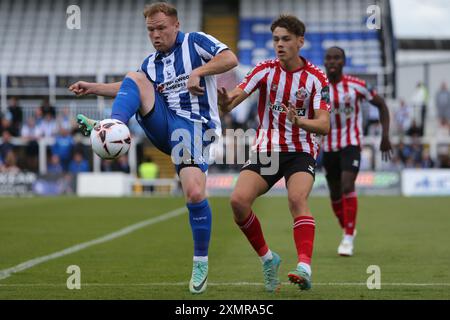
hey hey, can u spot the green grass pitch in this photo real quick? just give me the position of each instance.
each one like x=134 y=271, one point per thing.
x=408 y=238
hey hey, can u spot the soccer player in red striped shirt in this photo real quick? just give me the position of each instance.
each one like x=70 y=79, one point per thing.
x=342 y=146
x=293 y=110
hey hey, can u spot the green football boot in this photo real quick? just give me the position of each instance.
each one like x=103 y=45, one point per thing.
x=301 y=278
x=270 y=271
x=85 y=124
x=199 y=279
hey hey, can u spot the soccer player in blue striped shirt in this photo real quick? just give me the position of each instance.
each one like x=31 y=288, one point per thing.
x=174 y=98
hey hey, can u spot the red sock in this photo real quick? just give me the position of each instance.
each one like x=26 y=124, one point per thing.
x=304 y=227
x=338 y=211
x=350 y=209
x=252 y=230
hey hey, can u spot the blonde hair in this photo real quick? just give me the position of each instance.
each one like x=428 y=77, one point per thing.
x=164 y=7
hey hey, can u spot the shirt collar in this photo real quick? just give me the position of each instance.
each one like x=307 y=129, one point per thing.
x=178 y=41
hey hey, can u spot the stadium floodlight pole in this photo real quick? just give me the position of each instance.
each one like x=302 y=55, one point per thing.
x=42 y=155
x=3 y=102
x=96 y=162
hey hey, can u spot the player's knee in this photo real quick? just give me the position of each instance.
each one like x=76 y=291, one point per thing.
x=239 y=203
x=298 y=201
x=136 y=76
x=348 y=187
x=195 y=195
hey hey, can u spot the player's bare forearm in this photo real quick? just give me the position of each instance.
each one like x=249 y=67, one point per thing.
x=320 y=124
x=384 y=114
x=227 y=101
x=224 y=61
x=108 y=89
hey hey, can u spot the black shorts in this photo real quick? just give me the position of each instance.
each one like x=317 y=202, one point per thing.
x=288 y=164
x=346 y=159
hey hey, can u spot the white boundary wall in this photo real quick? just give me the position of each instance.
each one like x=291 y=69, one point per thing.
x=426 y=182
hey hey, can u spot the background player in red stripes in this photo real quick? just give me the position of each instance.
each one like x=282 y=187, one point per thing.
x=293 y=108
x=342 y=146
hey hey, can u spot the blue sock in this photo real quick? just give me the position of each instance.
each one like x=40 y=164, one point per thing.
x=200 y=219
x=127 y=101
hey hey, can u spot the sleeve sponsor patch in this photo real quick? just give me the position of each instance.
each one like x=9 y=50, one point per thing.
x=325 y=94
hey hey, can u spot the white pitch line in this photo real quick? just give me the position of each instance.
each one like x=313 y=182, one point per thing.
x=111 y=236
x=221 y=284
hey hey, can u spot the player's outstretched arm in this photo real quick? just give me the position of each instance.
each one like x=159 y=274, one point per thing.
x=320 y=124
x=227 y=101
x=224 y=61
x=385 y=145
x=82 y=88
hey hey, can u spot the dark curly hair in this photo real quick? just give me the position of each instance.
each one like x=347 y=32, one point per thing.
x=291 y=23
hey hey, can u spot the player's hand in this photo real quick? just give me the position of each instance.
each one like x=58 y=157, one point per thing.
x=291 y=113
x=386 y=149
x=223 y=100
x=82 y=88
x=193 y=85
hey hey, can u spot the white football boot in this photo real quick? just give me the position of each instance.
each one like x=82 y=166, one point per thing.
x=345 y=248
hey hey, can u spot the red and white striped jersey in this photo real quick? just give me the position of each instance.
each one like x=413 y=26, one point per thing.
x=306 y=88
x=346 y=115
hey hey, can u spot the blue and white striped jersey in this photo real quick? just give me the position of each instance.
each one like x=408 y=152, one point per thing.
x=170 y=72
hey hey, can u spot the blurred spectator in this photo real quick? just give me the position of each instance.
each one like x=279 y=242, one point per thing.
x=395 y=164
x=46 y=108
x=404 y=151
x=121 y=164
x=443 y=105
x=30 y=130
x=63 y=147
x=444 y=161
x=366 y=162
x=5 y=123
x=16 y=116
x=64 y=119
x=419 y=103
x=411 y=155
x=373 y=125
x=444 y=156
x=106 y=165
x=426 y=162
x=48 y=127
x=403 y=118
x=148 y=170
x=6 y=144
x=9 y=163
x=78 y=164
x=416 y=151
x=30 y=133
x=38 y=116
x=118 y=165
x=54 y=166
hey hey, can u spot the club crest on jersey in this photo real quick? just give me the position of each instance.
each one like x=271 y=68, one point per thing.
x=348 y=110
x=302 y=94
x=169 y=75
x=274 y=87
x=347 y=98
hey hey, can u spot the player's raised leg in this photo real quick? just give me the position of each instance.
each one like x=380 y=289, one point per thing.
x=136 y=92
x=299 y=186
x=249 y=186
x=193 y=182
